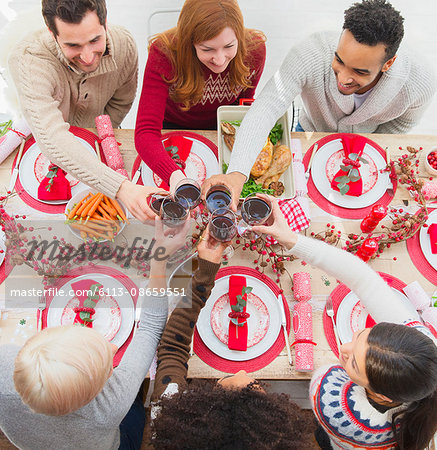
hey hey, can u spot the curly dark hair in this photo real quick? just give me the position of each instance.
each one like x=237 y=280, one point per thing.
x=373 y=22
x=212 y=418
x=71 y=11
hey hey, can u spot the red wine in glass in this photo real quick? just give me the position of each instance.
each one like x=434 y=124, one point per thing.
x=155 y=202
x=218 y=197
x=174 y=211
x=190 y=193
x=255 y=211
x=223 y=226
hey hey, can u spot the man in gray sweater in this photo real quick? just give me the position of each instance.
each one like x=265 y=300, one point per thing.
x=357 y=82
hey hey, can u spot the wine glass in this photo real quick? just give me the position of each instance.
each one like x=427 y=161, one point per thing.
x=189 y=189
x=174 y=211
x=254 y=211
x=223 y=225
x=218 y=196
x=155 y=201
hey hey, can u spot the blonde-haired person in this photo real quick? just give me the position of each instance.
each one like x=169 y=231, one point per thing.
x=63 y=368
x=209 y=59
x=60 y=391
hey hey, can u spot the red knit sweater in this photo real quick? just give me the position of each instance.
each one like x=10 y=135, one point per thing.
x=156 y=106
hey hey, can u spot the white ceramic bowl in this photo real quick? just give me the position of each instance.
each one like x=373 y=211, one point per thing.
x=428 y=166
x=77 y=198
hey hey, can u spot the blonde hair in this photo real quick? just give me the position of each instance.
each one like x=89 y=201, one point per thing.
x=199 y=21
x=61 y=369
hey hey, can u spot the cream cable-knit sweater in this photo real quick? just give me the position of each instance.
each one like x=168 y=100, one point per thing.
x=55 y=95
x=395 y=104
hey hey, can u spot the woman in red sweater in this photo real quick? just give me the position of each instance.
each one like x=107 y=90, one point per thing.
x=209 y=59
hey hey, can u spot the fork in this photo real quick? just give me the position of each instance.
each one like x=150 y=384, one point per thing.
x=137 y=315
x=41 y=307
x=330 y=312
x=307 y=172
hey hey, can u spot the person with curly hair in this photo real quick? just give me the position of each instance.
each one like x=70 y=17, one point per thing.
x=383 y=394
x=209 y=59
x=358 y=82
x=234 y=413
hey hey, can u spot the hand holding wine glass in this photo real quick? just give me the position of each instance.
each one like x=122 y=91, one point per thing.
x=223 y=225
x=209 y=248
x=277 y=225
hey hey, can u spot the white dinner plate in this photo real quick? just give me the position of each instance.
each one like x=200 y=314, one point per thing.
x=28 y=177
x=201 y=164
x=323 y=185
x=208 y=336
x=110 y=285
x=2 y=246
x=425 y=241
x=351 y=315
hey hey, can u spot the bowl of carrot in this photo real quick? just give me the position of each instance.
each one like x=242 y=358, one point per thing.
x=93 y=215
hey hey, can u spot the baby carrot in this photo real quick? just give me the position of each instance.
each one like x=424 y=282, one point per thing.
x=96 y=199
x=72 y=213
x=93 y=208
x=119 y=210
x=110 y=208
x=103 y=212
x=110 y=211
x=84 y=204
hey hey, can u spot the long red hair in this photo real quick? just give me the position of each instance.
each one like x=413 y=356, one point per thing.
x=199 y=21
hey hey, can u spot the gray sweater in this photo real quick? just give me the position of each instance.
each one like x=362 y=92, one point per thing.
x=395 y=105
x=96 y=425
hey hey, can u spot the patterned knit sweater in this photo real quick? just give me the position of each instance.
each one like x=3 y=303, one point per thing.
x=395 y=104
x=54 y=95
x=341 y=406
x=156 y=105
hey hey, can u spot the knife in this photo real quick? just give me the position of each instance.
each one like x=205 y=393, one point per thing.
x=390 y=163
x=17 y=164
x=307 y=172
x=284 y=329
x=136 y=175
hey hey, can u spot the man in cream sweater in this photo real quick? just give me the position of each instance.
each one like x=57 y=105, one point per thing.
x=75 y=70
x=355 y=82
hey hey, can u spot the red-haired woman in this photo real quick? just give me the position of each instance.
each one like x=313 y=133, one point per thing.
x=209 y=59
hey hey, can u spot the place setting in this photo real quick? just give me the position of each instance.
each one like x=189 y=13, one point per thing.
x=348 y=173
x=348 y=315
x=93 y=296
x=246 y=335
x=422 y=248
x=43 y=185
x=196 y=154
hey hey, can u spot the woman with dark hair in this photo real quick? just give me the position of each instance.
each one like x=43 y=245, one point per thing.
x=236 y=412
x=209 y=59
x=383 y=394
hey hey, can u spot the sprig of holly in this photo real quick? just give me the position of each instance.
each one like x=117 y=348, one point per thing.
x=353 y=174
x=90 y=302
x=239 y=306
x=51 y=175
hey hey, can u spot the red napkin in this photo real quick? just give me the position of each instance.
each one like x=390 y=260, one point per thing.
x=54 y=185
x=432 y=231
x=83 y=290
x=237 y=334
x=179 y=148
x=351 y=144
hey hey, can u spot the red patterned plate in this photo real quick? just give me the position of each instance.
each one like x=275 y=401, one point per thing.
x=107 y=318
x=369 y=172
x=257 y=323
x=360 y=315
